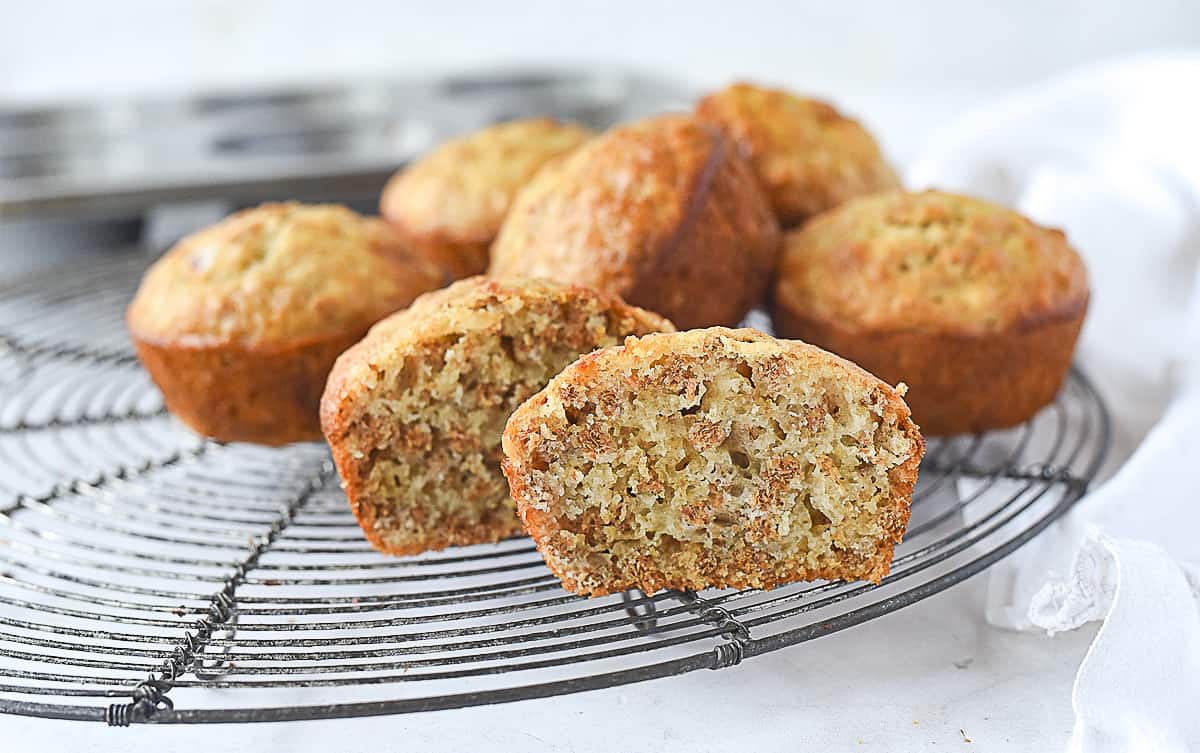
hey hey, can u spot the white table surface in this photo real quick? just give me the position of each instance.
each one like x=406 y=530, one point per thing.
x=930 y=677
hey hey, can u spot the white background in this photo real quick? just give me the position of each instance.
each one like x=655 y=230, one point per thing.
x=932 y=677
x=905 y=66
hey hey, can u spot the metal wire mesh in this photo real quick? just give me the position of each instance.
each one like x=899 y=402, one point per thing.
x=148 y=575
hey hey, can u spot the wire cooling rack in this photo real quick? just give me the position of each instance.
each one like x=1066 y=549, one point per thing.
x=148 y=575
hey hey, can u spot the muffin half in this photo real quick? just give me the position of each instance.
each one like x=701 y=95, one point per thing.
x=414 y=412
x=808 y=155
x=975 y=307
x=712 y=458
x=240 y=323
x=449 y=204
x=662 y=212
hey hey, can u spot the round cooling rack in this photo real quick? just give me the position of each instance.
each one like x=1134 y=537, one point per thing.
x=149 y=575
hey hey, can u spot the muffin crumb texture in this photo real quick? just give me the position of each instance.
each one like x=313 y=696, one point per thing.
x=414 y=413
x=713 y=458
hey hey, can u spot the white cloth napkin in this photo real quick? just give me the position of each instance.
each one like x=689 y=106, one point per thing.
x=1111 y=154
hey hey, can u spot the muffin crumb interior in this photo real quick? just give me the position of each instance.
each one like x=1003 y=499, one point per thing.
x=740 y=468
x=425 y=438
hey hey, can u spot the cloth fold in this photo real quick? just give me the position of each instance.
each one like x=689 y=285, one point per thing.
x=1109 y=153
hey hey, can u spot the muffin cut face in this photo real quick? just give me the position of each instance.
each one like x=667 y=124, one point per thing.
x=450 y=203
x=712 y=458
x=414 y=412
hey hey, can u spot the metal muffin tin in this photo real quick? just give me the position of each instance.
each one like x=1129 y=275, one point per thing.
x=337 y=142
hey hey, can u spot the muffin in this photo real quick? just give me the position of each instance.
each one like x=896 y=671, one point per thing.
x=414 y=412
x=240 y=323
x=975 y=307
x=449 y=204
x=808 y=155
x=663 y=213
x=712 y=458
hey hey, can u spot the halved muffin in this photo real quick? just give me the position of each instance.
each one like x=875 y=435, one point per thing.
x=414 y=412
x=712 y=458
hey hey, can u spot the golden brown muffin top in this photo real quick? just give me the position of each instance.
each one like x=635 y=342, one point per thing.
x=461 y=191
x=473 y=304
x=808 y=155
x=275 y=275
x=929 y=261
x=604 y=215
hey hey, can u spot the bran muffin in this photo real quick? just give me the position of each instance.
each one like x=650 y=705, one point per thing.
x=449 y=204
x=808 y=155
x=663 y=213
x=972 y=305
x=239 y=323
x=712 y=458
x=414 y=412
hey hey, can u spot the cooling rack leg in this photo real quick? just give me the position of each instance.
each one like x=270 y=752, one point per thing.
x=737 y=635
x=642 y=609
